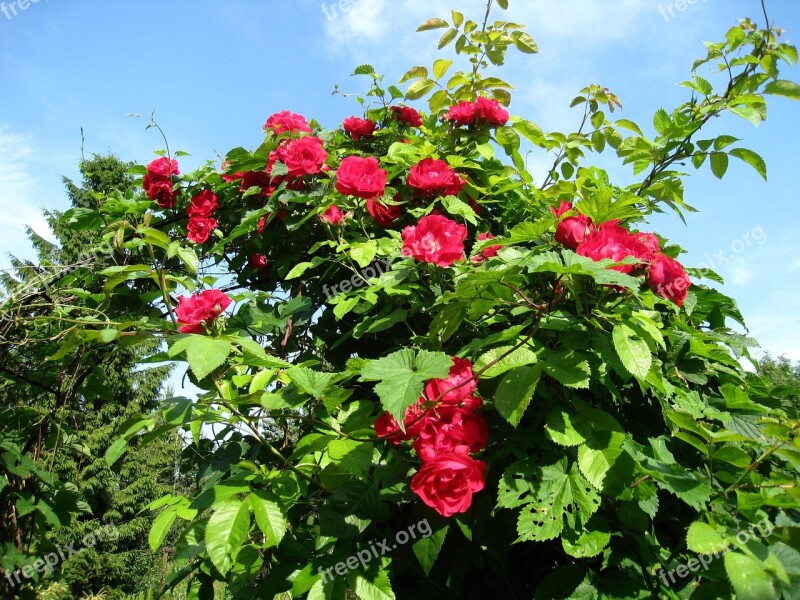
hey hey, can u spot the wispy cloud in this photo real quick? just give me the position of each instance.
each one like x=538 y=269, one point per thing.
x=19 y=194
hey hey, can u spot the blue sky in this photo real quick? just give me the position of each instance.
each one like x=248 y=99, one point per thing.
x=213 y=72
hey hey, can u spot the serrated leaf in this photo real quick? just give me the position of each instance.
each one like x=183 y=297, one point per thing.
x=364 y=70
x=633 y=351
x=377 y=587
x=419 y=88
x=363 y=253
x=161 y=526
x=515 y=392
x=719 y=164
x=525 y=43
x=226 y=531
x=433 y=24
x=270 y=516
x=206 y=354
x=704 y=539
x=567 y=368
x=782 y=87
x=427 y=549
x=598 y=455
x=520 y=357
x=440 y=67
x=752 y=159
x=402 y=375
x=749 y=579
x=414 y=73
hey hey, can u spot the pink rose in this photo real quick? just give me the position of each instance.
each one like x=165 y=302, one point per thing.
x=194 y=312
x=668 y=279
x=359 y=128
x=447 y=482
x=435 y=239
x=615 y=243
x=361 y=177
x=287 y=121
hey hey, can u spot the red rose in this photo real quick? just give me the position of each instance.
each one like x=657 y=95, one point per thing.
x=488 y=251
x=387 y=427
x=163 y=168
x=451 y=430
x=160 y=190
x=257 y=261
x=199 y=229
x=614 y=242
x=301 y=157
x=462 y=113
x=287 y=121
x=358 y=128
x=362 y=177
x=446 y=483
x=255 y=179
x=407 y=115
x=457 y=387
x=434 y=177
x=490 y=112
x=668 y=279
x=435 y=239
x=332 y=216
x=563 y=207
x=384 y=215
x=198 y=310
x=573 y=230
x=650 y=242
x=203 y=204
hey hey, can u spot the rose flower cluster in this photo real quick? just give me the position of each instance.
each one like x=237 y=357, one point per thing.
x=196 y=312
x=665 y=275
x=157 y=182
x=445 y=430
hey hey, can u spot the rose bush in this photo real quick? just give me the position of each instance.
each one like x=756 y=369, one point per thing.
x=568 y=411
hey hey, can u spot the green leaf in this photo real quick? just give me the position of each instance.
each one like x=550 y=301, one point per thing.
x=377 y=587
x=598 y=455
x=206 y=354
x=749 y=579
x=752 y=159
x=704 y=539
x=440 y=67
x=363 y=253
x=270 y=516
x=427 y=549
x=456 y=206
x=226 y=531
x=402 y=376
x=364 y=70
x=189 y=258
x=419 y=88
x=719 y=164
x=515 y=392
x=433 y=24
x=633 y=351
x=525 y=43
x=567 y=367
x=520 y=357
x=115 y=451
x=782 y=87
x=161 y=526
x=311 y=382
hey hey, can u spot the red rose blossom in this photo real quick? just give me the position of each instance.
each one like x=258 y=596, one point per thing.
x=287 y=121
x=196 y=311
x=387 y=427
x=573 y=230
x=668 y=279
x=160 y=190
x=433 y=177
x=488 y=251
x=490 y=112
x=257 y=261
x=650 y=242
x=615 y=243
x=451 y=430
x=407 y=115
x=385 y=215
x=203 y=204
x=359 y=128
x=361 y=177
x=163 y=167
x=256 y=179
x=462 y=113
x=304 y=156
x=333 y=216
x=199 y=229
x=563 y=207
x=457 y=387
x=435 y=239
x=447 y=482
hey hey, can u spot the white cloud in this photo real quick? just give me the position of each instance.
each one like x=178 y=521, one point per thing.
x=19 y=194
x=742 y=275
